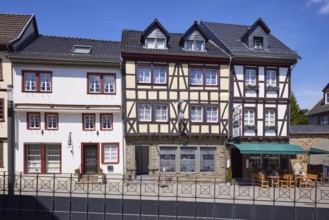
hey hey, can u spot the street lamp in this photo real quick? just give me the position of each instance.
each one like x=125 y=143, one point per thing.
x=10 y=140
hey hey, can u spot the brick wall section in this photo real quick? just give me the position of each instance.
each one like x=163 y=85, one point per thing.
x=307 y=140
x=155 y=142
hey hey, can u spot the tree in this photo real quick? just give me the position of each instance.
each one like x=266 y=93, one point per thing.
x=297 y=115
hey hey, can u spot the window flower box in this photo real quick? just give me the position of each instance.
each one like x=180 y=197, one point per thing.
x=251 y=127
x=272 y=88
x=251 y=87
x=270 y=127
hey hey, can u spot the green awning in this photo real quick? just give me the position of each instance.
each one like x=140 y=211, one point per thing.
x=269 y=148
x=322 y=147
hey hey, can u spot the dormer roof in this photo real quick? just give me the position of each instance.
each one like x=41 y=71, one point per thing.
x=258 y=22
x=154 y=25
x=194 y=27
x=326 y=88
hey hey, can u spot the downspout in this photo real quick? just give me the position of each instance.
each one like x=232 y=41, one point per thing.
x=229 y=114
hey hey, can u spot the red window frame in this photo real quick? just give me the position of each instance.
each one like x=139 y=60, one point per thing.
x=118 y=148
x=152 y=67
x=1 y=73
x=37 y=81
x=2 y=110
x=101 y=76
x=203 y=72
x=28 y=120
x=2 y=162
x=83 y=122
x=43 y=158
x=46 y=121
x=101 y=119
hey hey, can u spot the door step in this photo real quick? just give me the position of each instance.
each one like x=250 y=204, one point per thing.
x=91 y=179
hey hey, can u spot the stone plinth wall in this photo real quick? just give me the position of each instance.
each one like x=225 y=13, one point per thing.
x=307 y=141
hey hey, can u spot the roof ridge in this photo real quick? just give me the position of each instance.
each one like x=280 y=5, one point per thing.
x=16 y=14
x=81 y=38
x=226 y=23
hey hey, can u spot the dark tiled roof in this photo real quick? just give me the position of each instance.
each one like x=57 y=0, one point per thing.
x=231 y=34
x=309 y=129
x=131 y=43
x=11 y=25
x=53 y=47
x=320 y=107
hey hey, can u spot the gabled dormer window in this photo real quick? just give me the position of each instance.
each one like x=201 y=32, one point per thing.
x=327 y=98
x=155 y=43
x=193 y=45
x=258 y=43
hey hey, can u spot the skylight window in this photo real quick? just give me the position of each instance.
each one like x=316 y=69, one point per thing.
x=81 y=49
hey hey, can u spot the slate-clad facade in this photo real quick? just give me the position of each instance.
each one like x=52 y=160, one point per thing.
x=319 y=113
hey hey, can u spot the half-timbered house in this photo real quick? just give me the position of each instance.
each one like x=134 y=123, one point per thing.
x=176 y=97
x=260 y=96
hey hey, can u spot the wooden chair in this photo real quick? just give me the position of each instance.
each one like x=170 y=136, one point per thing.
x=260 y=178
x=287 y=180
x=310 y=179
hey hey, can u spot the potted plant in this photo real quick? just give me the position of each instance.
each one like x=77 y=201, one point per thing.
x=249 y=127
x=274 y=88
x=100 y=171
x=272 y=127
x=77 y=172
x=252 y=87
x=228 y=177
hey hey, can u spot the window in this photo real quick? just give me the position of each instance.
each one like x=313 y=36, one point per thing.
x=250 y=77
x=194 y=45
x=271 y=78
x=161 y=113
x=33 y=121
x=155 y=43
x=37 y=81
x=43 y=158
x=101 y=83
x=2 y=110
x=168 y=159
x=255 y=161
x=325 y=120
x=212 y=114
x=106 y=122
x=144 y=112
x=152 y=74
x=327 y=98
x=249 y=117
x=269 y=118
x=81 y=49
x=187 y=159
x=1 y=74
x=196 y=114
x=51 y=121
x=88 y=122
x=258 y=42
x=110 y=153
x=1 y=154
x=206 y=77
x=271 y=161
x=207 y=159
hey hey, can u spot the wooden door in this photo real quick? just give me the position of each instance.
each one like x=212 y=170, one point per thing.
x=90 y=159
x=142 y=159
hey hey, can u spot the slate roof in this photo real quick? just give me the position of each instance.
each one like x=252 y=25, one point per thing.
x=320 y=107
x=54 y=47
x=11 y=26
x=231 y=34
x=309 y=129
x=131 y=43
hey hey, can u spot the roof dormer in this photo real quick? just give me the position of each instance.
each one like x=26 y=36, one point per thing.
x=326 y=94
x=256 y=37
x=155 y=36
x=194 y=39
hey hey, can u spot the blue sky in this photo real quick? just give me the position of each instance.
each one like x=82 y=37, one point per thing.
x=303 y=25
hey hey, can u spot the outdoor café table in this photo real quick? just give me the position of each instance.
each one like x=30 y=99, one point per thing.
x=273 y=178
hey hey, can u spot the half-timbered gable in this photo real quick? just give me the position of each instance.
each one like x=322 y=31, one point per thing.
x=176 y=103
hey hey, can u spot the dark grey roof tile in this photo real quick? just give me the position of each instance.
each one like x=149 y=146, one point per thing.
x=11 y=25
x=309 y=129
x=319 y=108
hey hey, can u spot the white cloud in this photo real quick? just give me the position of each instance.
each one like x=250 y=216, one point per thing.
x=324 y=5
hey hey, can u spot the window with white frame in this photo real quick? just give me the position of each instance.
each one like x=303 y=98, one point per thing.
x=45 y=82
x=110 y=153
x=269 y=118
x=194 y=45
x=327 y=98
x=325 y=120
x=249 y=117
x=37 y=81
x=255 y=161
x=2 y=109
x=101 y=83
x=271 y=78
x=30 y=82
x=155 y=43
x=258 y=42
x=106 y=121
x=159 y=75
x=271 y=161
x=33 y=120
x=108 y=84
x=51 y=121
x=89 y=122
x=196 y=114
x=94 y=83
x=53 y=158
x=207 y=159
x=250 y=77
x=211 y=77
x=196 y=77
x=212 y=114
x=144 y=75
x=187 y=159
x=168 y=159
x=161 y=113
x=144 y=112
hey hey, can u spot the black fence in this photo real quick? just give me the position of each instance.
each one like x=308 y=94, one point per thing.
x=65 y=196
